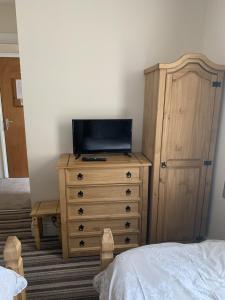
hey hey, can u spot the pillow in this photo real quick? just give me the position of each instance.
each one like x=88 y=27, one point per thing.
x=11 y=284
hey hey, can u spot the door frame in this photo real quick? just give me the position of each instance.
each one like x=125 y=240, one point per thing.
x=4 y=173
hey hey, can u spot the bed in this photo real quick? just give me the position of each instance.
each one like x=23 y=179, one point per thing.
x=12 y=282
x=170 y=271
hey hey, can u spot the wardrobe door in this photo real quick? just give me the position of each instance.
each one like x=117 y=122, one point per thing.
x=187 y=129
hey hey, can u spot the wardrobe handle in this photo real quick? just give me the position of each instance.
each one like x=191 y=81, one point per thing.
x=163 y=164
x=81 y=227
x=129 y=174
x=128 y=192
x=80 y=211
x=80 y=194
x=127 y=225
x=128 y=209
x=127 y=240
x=80 y=176
x=82 y=243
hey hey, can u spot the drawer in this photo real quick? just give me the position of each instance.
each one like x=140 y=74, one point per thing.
x=99 y=225
x=84 y=210
x=126 y=239
x=89 y=242
x=102 y=176
x=109 y=192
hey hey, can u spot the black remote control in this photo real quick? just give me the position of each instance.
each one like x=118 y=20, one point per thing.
x=85 y=158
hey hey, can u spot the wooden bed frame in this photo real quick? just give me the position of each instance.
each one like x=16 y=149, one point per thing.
x=13 y=260
x=107 y=248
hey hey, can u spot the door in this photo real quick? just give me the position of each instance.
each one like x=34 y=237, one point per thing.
x=187 y=129
x=13 y=117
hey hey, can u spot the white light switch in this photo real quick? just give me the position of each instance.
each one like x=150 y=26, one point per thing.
x=19 y=94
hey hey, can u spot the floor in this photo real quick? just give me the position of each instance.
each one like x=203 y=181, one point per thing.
x=49 y=276
x=14 y=193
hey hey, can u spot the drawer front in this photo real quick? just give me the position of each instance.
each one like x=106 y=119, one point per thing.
x=84 y=210
x=101 y=176
x=84 y=242
x=89 y=242
x=126 y=239
x=109 y=192
x=99 y=225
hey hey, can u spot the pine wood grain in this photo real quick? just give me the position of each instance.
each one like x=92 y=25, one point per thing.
x=93 y=194
x=182 y=134
x=14 y=261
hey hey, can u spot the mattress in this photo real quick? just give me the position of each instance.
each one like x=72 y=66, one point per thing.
x=166 y=271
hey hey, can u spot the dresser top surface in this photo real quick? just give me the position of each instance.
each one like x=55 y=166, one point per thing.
x=68 y=160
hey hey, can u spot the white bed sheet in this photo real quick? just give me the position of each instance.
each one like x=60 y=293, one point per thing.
x=169 y=271
x=11 y=284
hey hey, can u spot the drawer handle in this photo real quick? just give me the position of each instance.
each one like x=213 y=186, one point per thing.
x=127 y=225
x=127 y=240
x=80 y=176
x=81 y=227
x=128 y=192
x=129 y=174
x=80 y=194
x=128 y=209
x=82 y=243
x=80 y=211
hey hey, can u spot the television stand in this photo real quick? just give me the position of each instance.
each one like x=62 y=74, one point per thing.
x=97 y=195
x=96 y=158
x=128 y=154
x=93 y=158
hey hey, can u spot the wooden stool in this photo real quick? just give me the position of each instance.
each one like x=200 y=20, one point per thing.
x=44 y=209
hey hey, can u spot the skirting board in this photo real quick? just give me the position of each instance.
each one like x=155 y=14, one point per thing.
x=8 y=49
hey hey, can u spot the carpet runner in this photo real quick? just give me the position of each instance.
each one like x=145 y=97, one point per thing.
x=49 y=276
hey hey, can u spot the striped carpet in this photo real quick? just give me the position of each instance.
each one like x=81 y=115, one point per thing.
x=48 y=276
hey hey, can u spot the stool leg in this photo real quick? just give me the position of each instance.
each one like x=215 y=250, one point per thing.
x=59 y=228
x=40 y=226
x=36 y=232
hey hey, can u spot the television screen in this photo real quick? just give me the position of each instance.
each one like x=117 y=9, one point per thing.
x=92 y=136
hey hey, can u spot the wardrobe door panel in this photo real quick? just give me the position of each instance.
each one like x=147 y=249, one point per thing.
x=187 y=126
x=179 y=195
x=188 y=114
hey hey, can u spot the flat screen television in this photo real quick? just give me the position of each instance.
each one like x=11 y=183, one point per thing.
x=93 y=136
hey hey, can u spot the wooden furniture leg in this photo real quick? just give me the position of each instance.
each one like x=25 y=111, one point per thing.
x=40 y=226
x=36 y=232
x=13 y=260
x=107 y=248
x=39 y=211
x=59 y=228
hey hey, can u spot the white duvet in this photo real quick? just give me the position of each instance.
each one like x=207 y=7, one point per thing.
x=11 y=284
x=169 y=271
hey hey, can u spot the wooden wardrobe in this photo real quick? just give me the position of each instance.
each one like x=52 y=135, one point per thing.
x=181 y=114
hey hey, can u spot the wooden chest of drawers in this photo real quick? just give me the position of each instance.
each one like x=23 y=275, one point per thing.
x=97 y=195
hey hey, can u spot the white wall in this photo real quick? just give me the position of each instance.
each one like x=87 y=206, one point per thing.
x=214 y=47
x=85 y=59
